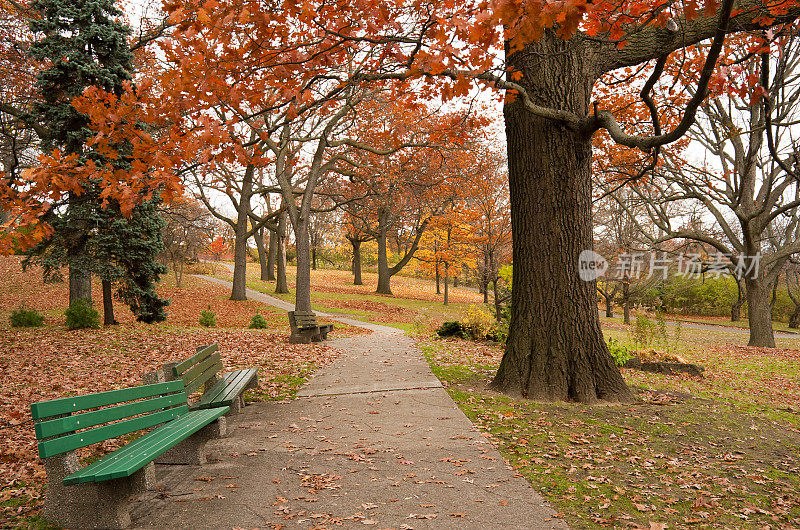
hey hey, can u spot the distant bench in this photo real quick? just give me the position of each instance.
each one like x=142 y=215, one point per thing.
x=98 y=495
x=203 y=370
x=305 y=328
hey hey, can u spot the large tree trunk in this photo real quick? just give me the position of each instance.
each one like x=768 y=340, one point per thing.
x=302 y=301
x=609 y=305
x=108 y=304
x=384 y=277
x=314 y=258
x=281 y=285
x=794 y=319
x=80 y=284
x=555 y=348
x=759 y=314
x=239 y=291
x=736 y=308
x=262 y=252
x=356 y=243
x=272 y=257
x=446 y=281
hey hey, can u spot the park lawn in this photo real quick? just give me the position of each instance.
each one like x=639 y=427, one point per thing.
x=415 y=299
x=718 y=452
x=50 y=362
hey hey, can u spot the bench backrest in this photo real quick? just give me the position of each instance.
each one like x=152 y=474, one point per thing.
x=303 y=319
x=199 y=368
x=68 y=423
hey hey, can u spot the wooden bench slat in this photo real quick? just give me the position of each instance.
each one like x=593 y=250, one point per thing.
x=69 y=442
x=68 y=424
x=55 y=407
x=200 y=370
x=128 y=459
x=181 y=367
x=201 y=380
x=227 y=389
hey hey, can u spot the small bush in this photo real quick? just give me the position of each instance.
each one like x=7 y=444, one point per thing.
x=81 y=315
x=644 y=330
x=618 y=352
x=26 y=318
x=451 y=329
x=208 y=318
x=258 y=322
x=479 y=324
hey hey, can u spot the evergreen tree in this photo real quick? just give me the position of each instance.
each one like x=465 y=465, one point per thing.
x=82 y=45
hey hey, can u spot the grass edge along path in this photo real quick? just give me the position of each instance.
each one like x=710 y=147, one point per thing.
x=669 y=460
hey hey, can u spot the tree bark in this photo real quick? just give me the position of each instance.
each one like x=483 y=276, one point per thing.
x=555 y=348
x=108 y=304
x=281 y=285
x=302 y=290
x=626 y=301
x=609 y=305
x=272 y=257
x=239 y=290
x=314 y=258
x=438 y=281
x=446 y=281
x=356 y=243
x=384 y=279
x=262 y=252
x=794 y=319
x=759 y=314
x=80 y=284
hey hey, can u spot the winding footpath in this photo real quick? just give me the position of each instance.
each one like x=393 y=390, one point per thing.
x=371 y=440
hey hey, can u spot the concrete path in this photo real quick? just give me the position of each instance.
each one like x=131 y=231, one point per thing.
x=373 y=439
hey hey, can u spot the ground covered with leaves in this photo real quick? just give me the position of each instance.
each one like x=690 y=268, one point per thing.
x=51 y=362
x=721 y=451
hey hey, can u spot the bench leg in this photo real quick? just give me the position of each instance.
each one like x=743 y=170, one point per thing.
x=193 y=449
x=93 y=505
x=301 y=337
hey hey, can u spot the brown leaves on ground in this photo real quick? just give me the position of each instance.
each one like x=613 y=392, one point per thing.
x=51 y=362
x=383 y=312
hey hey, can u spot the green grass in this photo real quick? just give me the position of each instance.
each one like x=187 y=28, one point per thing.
x=717 y=457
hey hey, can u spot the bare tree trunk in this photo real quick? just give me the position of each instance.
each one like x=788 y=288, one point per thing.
x=314 y=258
x=498 y=306
x=759 y=313
x=239 y=291
x=555 y=348
x=438 y=289
x=626 y=301
x=80 y=284
x=609 y=305
x=281 y=286
x=446 y=281
x=262 y=252
x=736 y=308
x=356 y=243
x=455 y=281
x=272 y=257
x=108 y=304
x=384 y=279
x=303 y=259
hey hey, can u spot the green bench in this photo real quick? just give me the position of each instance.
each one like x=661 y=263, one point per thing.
x=202 y=370
x=305 y=328
x=98 y=495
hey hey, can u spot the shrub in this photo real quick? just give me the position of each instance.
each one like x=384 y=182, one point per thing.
x=81 y=315
x=643 y=331
x=258 y=322
x=208 y=318
x=451 y=329
x=618 y=352
x=479 y=324
x=26 y=318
